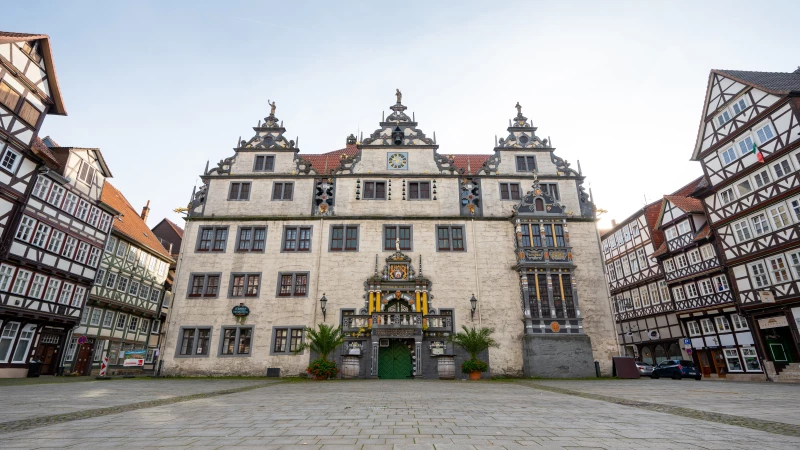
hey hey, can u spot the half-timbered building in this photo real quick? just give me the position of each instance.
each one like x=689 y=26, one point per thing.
x=399 y=244
x=721 y=343
x=52 y=227
x=748 y=146
x=124 y=310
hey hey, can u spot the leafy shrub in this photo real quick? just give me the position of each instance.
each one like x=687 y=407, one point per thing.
x=474 y=365
x=322 y=368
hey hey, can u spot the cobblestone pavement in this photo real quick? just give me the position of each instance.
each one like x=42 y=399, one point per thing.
x=397 y=414
x=33 y=400
x=766 y=401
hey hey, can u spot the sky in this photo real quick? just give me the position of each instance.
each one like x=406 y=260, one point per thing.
x=163 y=87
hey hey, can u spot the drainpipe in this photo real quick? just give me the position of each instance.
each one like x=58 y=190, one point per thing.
x=477 y=281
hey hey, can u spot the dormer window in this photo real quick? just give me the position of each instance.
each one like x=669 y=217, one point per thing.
x=764 y=134
x=671 y=233
x=264 y=163
x=740 y=105
x=723 y=118
x=86 y=173
x=746 y=145
x=684 y=227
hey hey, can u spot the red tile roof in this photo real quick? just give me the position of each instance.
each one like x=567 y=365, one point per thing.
x=131 y=224
x=469 y=163
x=703 y=233
x=326 y=162
x=41 y=150
x=651 y=213
x=661 y=250
x=687 y=204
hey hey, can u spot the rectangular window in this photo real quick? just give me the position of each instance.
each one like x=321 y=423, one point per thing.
x=20 y=286
x=760 y=224
x=744 y=188
x=37 y=287
x=80 y=294
x=732 y=359
x=155 y=295
x=133 y=324
x=653 y=288
x=694 y=330
x=679 y=294
x=134 y=289
x=297 y=239
x=707 y=251
x=780 y=216
x=706 y=287
x=122 y=285
x=245 y=284
x=293 y=284
x=144 y=292
x=156 y=327
x=344 y=238
x=100 y=277
x=671 y=233
x=684 y=227
x=25 y=228
x=287 y=340
x=777 y=267
x=742 y=230
x=637 y=304
x=782 y=168
x=204 y=285
x=726 y=196
x=105 y=222
x=722 y=324
x=56 y=239
x=239 y=191
x=551 y=189
x=635 y=229
x=24 y=344
x=8 y=96
x=374 y=190
x=42 y=187
x=70 y=202
x=122 y=249
x=56 y=195
x=145 y=326
x=82 y=253
x=642 y=255
x=194 y=341
x=765 y=133
x=86 y=173
x=419 y=190
x=95 y=317
x=721 y=283
x=680 y=260
x=759 y=275
x=83 y=210
x=669 y=266
x=750 y=359
x=634 y=263
x=645 y=296
x=264 y=163
x=251 y=239
x=108 y=319
x=691 y=290
x=723 y=118
x=450 y=238
x=509 y=191
x=52 y=289
x=618 y=267
x=282 y=191
x=739 y=322
x=761 y=178
x=397 y=234
x=794 y=260
x=526 y=164
x=41 y=235
x=729 y=155
x=707 y=326
x=112 y=280
x=212 y=239
x=94 y=215
x=279 y=342
x=121 y=320
x=740 y=105
x=66 y=293
x=745 y=146
x=694 y=257
x=236 y=341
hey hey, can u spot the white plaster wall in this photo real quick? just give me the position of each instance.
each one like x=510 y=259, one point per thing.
x=508 y=161
x=446 y=203
x=260 y=202
x=420 y=161
x=243 y=162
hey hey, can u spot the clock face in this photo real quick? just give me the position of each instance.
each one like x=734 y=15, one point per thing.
x=398 y=160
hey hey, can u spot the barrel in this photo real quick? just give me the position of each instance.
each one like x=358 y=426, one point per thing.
x=350 y=366
x=447 y=368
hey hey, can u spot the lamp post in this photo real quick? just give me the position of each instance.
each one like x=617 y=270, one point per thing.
x=473 y=303
x=322 y=302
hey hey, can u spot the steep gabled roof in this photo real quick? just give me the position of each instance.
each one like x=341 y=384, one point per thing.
x=178 y=230
x=47 y=56
x=780 y=83
x=131 y=224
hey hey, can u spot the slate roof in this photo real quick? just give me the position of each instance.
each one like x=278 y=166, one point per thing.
x=131 y=224
x=775 y=82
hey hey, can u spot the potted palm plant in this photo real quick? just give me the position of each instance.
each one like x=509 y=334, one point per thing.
x=474 y=341
x=322 y=341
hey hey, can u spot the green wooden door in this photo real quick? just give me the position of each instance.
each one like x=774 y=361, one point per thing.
x=394 y=361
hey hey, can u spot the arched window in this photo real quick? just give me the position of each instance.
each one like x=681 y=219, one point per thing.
x=647 y=355
x=674 y=351
x=660 y=354
x=539 y=204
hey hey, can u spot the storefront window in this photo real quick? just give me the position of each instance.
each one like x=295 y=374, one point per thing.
x=750 y=359
x=732 y=358
x=675 y=352
x=647 y=355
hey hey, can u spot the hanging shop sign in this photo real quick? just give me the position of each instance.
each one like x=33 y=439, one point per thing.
x=773 y=322
x=240 y=310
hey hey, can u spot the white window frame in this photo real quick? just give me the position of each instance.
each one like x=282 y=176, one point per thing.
x=761 y=225
x=728 y=155
x=742 y=229
x=707 y=326
x=694 y=257
x=741 y=104
x=26 y=335
x=765 y=133
x=693 y=328
x=761 y=178
x=642 y=255
x=780 y=216
x=778 y=269
x=678 y=292
x=14 y=165
x=721 y=283
x=37 y=286
x=739 y=322
x=745 y=145
x=637 y=303
x=671 y=233
x=56 y=195
x=65 y=297
x=78 y=296
x=691 y=290
x=750 y=353
x=730 y=354
x=707 y=252
x=41 y=234
x=108 y=319
x=70 y=202
x=21 y=281
x=645 y=296
x=681 y=261
x=56 y=239
x=706 y=286
x=42 y=187
x=727 y=196
x=96 y=317
x=722 y=324
x=25 y=229
x=782 y=168
x=669 y=266
x=758 y=274
x=664 y=291
x=684 y=227
x=654 y=298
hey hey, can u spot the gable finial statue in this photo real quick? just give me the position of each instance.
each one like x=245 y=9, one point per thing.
x=399 y=96
x=272 y=107
x=397 y=244
x=519 y=109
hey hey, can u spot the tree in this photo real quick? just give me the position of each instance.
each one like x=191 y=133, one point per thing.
x=322 y=341
x=474 y=341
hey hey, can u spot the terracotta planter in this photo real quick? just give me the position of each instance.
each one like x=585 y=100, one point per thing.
x=475 y=376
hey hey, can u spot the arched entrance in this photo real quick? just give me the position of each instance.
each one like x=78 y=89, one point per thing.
x=647 y=355
x=674 y=351
x=660 y=354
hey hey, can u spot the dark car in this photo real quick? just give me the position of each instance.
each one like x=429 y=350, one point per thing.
x=676 y=369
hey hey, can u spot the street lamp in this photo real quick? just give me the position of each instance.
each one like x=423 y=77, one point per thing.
x=322 y=302
x=473 y=303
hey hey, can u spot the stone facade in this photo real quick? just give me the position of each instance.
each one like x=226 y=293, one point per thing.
x=471 y=195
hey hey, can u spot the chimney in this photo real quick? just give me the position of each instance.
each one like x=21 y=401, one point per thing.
x=613 y=223
x=146 y=211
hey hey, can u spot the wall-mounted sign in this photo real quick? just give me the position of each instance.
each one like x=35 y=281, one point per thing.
x=766 y=296
x=240 y=310
x=558 y=255
x=82 y=340
x=773 y=322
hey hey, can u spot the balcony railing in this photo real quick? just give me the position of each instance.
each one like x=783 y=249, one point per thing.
x=545 y=254
x=693 y=269
x=642 y=312
x=717 y=298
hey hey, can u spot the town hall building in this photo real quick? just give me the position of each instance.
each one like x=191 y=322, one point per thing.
x=398 y=243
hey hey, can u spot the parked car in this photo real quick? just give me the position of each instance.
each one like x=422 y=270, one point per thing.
x=676 y=369
x=645 y=369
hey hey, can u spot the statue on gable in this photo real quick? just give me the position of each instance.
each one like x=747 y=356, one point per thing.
x=519 y=109
x=399 y=96
x=271 y=107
